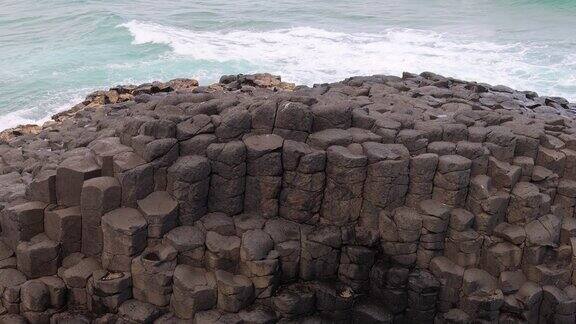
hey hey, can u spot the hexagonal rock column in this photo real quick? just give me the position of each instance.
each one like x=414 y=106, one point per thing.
x=189 y=242
x=228 y=181
x=477 y=153
x=488 y=204
x=105 y=149
x=558 y=306
x=423 y=289
x=435 y=219
x=70 y=177
x=189 y=183
x=194 y=290
x=525 y=302
x=223 y=251
x=64 y=226
x=463 y=244
x=76 y=278
x=303 y=181
x=22 y=222
x=331 y=114
x=135 y=176
x=124 y=235
x=293 y=121
x=43 y=187
x=355 y=265
x=286 y=237
x=108 y=290
x=422 y=170
x=371 y=312
x=387 y=176
x=57 y=290
x=322 y=140
x=259 y=262
x=504 y=174
x=501 y=257
x=38 y=257
x=554 y=160
x=320 y=252
x=526 y=203
x=481 y=298
x=501 y=142
x=152 y=275
x=451 y=180
x=235 y=292
x=565 y=198
x=232 y=124
x=414 y=140
x=400 y=232
x=161 y=213
x=345 y=175
x=294 y=301
x=136 y=311
x=216 y=316
x=334 y=301
x=34 y=301
x=10 y=281
x=264 y=174
x=99 y=196
x=450 y=277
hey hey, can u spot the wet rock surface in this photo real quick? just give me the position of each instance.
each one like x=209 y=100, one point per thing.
x=380 y=199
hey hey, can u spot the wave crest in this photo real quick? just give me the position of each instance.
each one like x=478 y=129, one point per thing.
x=306 y=55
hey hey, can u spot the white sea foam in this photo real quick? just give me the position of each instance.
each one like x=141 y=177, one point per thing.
x=42 y=112
x=308 y=55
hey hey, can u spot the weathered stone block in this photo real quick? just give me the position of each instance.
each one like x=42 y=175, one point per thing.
x=38 y=257
x=22 y=222
x=64 y=226
x=124 y=236
x=235 y=292
x=194 y=290
x=160 y=211
x=70 y=177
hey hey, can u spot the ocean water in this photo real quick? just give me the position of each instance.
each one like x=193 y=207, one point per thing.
x=54 y=52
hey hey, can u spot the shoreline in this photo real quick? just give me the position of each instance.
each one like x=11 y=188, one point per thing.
x=123 y=93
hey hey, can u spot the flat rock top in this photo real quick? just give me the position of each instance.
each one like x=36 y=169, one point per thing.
x=102 y=183
x=158 y=203
x=184 y=238
x=378 y=151
x=80 y=163
x=190 y=168
x=11 y=278
x=125 y=220
x=257 y=145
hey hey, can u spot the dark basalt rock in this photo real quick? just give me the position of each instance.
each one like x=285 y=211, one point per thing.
x=377 y=199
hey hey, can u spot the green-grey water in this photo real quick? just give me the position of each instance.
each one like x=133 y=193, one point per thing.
x=53 y=52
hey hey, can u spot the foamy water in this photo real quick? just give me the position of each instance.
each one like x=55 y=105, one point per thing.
x=308 y=55
x=54 y=55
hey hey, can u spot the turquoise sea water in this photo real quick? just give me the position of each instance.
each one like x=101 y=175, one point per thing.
x=53 y=52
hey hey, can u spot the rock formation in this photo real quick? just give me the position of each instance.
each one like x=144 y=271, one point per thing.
x=381 y=199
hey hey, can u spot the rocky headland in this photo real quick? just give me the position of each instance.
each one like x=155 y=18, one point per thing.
x=380 y=199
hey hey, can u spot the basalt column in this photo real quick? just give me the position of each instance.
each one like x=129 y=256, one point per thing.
x=422 y=170
x=264 y=178
x=188 y=182
x=228 y=181
x=345 y=175
x=303 y=181
x=387 y=176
